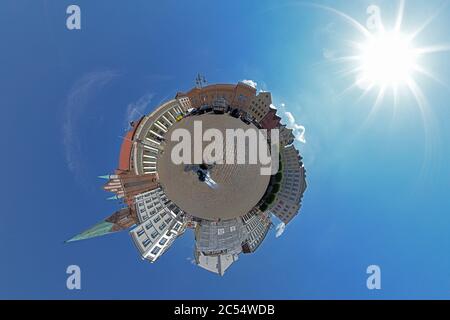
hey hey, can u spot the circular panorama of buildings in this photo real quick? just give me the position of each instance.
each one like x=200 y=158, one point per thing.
x=229 y=206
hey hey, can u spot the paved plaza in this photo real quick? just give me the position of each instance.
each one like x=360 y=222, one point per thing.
x=239 y=186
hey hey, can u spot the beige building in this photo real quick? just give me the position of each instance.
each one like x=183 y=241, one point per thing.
x=259 y=106
x=237 y=96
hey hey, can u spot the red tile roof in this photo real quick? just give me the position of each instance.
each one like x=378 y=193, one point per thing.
x=127 y=146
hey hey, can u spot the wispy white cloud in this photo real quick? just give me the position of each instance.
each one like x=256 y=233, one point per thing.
x=280 y=229
x=290 y=117
x=191 y=260
x=75 y=106
x=298 y=130
x=136 y=109
x=328 y=54
x=250 y=83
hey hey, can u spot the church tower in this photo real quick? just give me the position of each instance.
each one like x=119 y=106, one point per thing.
x=126 y=185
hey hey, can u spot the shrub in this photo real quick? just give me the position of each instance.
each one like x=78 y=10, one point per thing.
x=278 y=177
x=270 y=199
x=276 y=188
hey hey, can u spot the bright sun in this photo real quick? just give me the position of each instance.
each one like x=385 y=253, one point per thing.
x=387 y=59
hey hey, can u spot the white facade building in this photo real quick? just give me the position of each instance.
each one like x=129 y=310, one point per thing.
x=217 y=264
x=185 y=103
x=151 y=133
x=160 y=223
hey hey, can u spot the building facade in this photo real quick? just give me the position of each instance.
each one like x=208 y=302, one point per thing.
x=286 y=136
x=293 y=185
x=257 y=224
x=260 y=106
x=160 y=223
x=237 y=96
x=126 y=185
x=217 y=264
x=270 y=120
x=147 y=140
x=220 y=237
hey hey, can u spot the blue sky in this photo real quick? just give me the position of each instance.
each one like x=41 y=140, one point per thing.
x=377 y=186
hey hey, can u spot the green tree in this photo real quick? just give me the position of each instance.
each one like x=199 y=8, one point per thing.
x=276 y=188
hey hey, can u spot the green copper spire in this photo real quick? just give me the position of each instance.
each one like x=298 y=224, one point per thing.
x=118 y=221
x=112 y=198
x=99 y=229
x=106 y=177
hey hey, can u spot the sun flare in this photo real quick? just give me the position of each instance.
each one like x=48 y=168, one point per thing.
x=387 y=59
